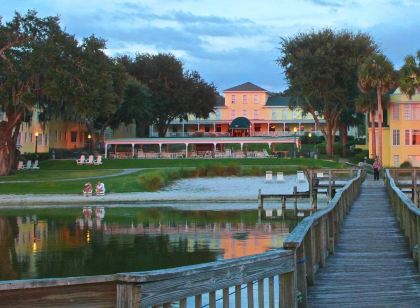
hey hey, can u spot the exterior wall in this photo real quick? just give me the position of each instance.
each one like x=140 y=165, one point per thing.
x=404 y=117
x=67 y=135
x=245 y=104
x=27 y=136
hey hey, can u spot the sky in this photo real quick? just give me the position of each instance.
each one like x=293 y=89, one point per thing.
x=229 y=42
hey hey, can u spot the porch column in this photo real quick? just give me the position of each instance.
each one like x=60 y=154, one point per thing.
x=268 y=128
x=242 y=146
x=160 y=147
x=115 y=150
x=315 y=128
x=132 y=150
x=214 y=127
x=186 y=150
x=183 y=129
x=106 y=150
x=198 y=126
x=269 y=145
x=284 y=128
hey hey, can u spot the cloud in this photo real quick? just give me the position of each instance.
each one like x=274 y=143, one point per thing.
x=329 y=3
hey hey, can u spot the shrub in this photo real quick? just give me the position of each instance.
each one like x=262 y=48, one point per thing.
x=406 y=164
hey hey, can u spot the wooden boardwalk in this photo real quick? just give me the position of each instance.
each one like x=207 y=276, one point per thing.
x=371 y=266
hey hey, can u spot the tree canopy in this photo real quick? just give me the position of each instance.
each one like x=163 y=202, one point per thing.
x=321 y=70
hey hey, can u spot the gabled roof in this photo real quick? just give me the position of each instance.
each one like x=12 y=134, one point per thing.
x=246 y=87
x=278 y=100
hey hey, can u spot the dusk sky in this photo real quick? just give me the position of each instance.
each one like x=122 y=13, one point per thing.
x=229 y=42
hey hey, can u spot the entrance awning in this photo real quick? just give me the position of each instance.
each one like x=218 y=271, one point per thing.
x=240 y=123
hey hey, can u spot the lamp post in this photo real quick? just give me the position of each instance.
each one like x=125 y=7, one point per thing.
x=310 y=141
x=294 y=146
x=90 y=142
x=36 y=142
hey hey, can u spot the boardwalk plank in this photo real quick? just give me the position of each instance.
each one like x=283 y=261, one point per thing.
x=371 y=265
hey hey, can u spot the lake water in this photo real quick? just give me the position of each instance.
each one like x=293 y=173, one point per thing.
x=63 y=242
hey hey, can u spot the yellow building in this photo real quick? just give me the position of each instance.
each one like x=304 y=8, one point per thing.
x=401 y=140
x=269 y=115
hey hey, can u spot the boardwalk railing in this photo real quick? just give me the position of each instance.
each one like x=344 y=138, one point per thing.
x=281 y=272
x=408 y=216
x=314 y=237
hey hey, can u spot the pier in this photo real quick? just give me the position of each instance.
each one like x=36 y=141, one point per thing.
x=361 y=249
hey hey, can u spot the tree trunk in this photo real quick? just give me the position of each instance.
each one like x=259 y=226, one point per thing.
x=9 y=131
x=344 y=138
x=373 y=130
x=380 y=119
x=141 y=128
x=329 y=138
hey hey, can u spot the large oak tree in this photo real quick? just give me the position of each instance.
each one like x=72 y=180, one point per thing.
x=321 y=70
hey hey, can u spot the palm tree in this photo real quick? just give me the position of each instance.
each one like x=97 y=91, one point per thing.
x=365 y=103
x=410 y=75
x=377 y=73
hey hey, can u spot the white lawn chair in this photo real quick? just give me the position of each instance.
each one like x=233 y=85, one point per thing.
x=98 y=160
x=268 y=176
x=35 y=165
x=280 y=177
x=300 y=177
x=89 y=161
x=319 y=175
x=28 y=164
x=81 y=161
x=268 y=213
x=20 y=165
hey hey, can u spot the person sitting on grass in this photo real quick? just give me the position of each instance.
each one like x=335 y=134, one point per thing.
x=100 y=189
x=87 y=189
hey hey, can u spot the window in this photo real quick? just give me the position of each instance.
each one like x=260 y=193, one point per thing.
x=294 y=114
x=30 y=137
x=26 y=137
x=415 y=137
x=407 y=137
x=244 y=98
x=218 y=128
x=207 y=128
x=407 y=112
x=273 y=115
x=73 y=136
x=39 y=140
x=56 y=135
x=233 y=113
x=257 y=127
x=284 y=114
x=233 y=100
x=272 y=128
x=46 y=139
x=396 y=137
x=396 y=160
x=18 y=139
x=81 y=136
x=244 y=113
x=396 y=112
x=61 y=135
x=218 y=114
x=256 y=114
x=256 y=99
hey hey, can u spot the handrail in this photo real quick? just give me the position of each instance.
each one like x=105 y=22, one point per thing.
x=314 y=237
x=408 y=216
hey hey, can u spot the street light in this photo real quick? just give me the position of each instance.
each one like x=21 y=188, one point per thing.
x=90 y=142
x=294 y=146
x=36 y=142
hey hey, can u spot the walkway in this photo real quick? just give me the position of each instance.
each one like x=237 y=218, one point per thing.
x=371 y=266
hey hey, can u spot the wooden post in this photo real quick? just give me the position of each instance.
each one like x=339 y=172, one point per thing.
x=329 y=184
x=250 y=294
x=418 y=242
x=271 y=292
x=322 y=236
x=261 y=293
x=301 y=274
x=260 y=200
x=331 y=233
x=225 y=298
x=309 y=255
x=128 y=295
x=295 y=193
x=238 y=296
x=283 y=204
x=287 y=290
x=415 y=197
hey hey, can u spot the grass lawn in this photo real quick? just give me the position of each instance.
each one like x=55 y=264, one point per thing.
x=161 y=170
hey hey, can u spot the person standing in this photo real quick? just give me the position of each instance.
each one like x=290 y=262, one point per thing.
x=376 y=168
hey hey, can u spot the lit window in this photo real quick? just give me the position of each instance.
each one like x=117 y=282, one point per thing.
x=73 y=136
x=30 y=137
x=244 y=113
x=284 y=114
x=407 y=112
x=294 y=114
x=256 y=99
x=244 y=99
x=233 y=113
x=396 y=112
x=396 y=137
x=26 y=137
x=273 y=115
x=256 y=114
x=233 y=100
x=415 y=137
x=39 y=139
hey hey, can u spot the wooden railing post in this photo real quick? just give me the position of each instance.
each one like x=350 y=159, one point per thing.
x=287 y=290
x=321 y=242
x=309 y=255
x=301 y=274
x=418 y=242
x=331 y=232
x=128 y=295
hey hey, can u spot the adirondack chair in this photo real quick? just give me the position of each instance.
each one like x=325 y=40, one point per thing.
x=268 y=176
x=319 y=174
x=81 y=161
x=35 y=165
x=89 y=161
x=98 y=160
x=280 y=177
x=28 y=164
x=300 y=177
x=20 y=165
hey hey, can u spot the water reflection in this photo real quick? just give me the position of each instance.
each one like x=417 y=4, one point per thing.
x=39 y=243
